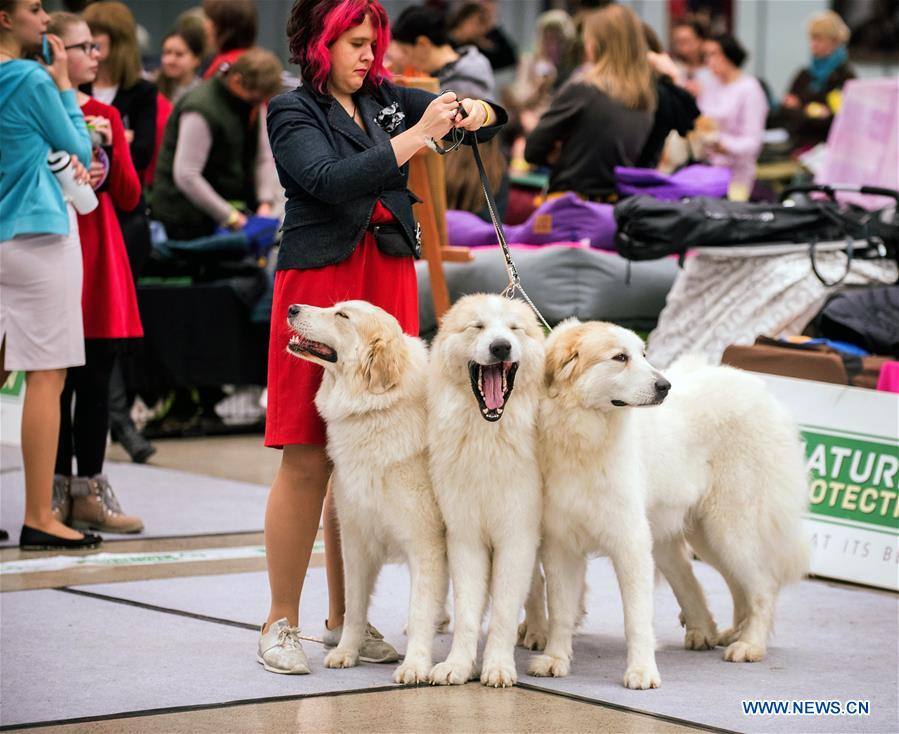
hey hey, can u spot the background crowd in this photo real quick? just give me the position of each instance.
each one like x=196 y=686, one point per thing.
x=171 y=134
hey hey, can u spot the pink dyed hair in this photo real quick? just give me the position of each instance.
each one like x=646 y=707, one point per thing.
x=313 y=27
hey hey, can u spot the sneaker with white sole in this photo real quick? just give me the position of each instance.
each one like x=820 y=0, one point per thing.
x=280 y=649
x=375 y=649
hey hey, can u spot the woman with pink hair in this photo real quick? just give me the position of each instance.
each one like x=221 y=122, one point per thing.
x=341 y=141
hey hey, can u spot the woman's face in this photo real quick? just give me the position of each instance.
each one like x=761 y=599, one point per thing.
x=27 y=23
x=103 y=42
x=822 y=46
x=686 y=45
x=80 y=54
x=177 y=60
x=715 y=59
x=351 y=58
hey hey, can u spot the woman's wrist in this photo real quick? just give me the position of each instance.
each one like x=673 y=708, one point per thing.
x=488 y=111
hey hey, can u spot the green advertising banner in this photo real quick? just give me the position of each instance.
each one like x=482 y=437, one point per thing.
x=853 y=479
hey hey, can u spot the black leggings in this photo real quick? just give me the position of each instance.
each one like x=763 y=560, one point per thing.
x=85 y=435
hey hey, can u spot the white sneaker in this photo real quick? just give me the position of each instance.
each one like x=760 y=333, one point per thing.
x=280 y=649
x=374 y=648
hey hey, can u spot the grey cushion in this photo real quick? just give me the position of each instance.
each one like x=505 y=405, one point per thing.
x=562 y=282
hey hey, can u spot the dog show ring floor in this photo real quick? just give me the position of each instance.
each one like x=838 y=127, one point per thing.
x=157 y=633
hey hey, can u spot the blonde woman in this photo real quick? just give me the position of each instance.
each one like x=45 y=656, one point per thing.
x=814 y=96
x=600 y=119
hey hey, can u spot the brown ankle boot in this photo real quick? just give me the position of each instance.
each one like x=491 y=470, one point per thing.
x=61 y=502
x=95 y=507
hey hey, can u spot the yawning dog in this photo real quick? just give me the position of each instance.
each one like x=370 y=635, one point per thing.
x=484 y=387
x=717 y=464
x=373 y=398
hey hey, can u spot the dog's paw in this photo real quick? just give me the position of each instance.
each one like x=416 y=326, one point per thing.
x=531 y=636
x=338 y=658
x=412 y=672
x=743 y=652
x=730 y=635
x=697 y=638
x=548 y=666
x=641 y=677
x=449 y=674
x=499 y=673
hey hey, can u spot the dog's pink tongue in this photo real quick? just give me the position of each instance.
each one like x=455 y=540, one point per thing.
x=493 y=386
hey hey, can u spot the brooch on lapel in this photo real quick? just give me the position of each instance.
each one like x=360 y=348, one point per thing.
x=390 y=117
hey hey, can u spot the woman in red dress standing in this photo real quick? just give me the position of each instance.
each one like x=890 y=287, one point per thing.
x=341 y=143
x=108 y=301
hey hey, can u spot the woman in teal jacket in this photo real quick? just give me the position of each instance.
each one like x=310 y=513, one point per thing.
x=41 y=331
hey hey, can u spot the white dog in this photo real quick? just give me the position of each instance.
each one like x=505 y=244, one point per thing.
x=483 y=396
x=373 y=398
x=718 y=465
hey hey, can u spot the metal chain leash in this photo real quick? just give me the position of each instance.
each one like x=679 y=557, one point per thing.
x=514 y=286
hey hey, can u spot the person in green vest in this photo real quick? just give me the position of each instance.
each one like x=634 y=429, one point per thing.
x=215 y=163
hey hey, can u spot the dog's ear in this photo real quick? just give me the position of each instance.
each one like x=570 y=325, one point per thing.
x=382 y=364
x=560 y=363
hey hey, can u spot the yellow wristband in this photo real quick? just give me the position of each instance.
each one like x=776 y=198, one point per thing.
x=487 y=110
x=232 y=218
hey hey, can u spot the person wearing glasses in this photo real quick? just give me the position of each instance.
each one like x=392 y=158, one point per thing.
x=109 y=304
x=342 y=142
x=41 y=328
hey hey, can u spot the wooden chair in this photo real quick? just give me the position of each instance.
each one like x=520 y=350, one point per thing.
x=427 y=180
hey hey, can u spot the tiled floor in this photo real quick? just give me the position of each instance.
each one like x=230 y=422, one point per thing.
x=469 y=708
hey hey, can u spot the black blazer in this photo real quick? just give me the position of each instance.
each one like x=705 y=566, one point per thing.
x=334 y=173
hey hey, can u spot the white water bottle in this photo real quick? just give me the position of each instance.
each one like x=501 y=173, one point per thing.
x=80 y=194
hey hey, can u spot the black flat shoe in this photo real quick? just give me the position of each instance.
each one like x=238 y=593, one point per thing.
x=34 y=539
x=3 y=536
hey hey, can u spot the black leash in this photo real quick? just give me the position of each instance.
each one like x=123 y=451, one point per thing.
x=514 y=286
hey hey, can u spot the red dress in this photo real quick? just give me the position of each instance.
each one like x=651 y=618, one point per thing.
x=368 y=275
x=108 y=300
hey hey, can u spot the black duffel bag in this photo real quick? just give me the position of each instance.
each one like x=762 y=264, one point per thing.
x=649 y=228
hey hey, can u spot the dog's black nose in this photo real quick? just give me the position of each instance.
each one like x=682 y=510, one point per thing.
x=662 y=386
x=293 y=310
x=501 y=349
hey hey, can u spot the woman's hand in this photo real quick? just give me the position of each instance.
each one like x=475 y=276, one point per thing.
x=663 y=64
x=97 y=172
x=102 y=126
x=264 y=209
x=59 y=69
x=82 y=175
x=439 y=116
x=477 y=115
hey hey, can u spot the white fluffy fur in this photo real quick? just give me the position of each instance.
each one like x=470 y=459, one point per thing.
x=373 y=399
x=717 y=465
x=487 y=481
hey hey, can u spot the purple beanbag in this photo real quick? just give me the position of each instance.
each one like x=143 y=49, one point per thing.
x=689 y=181
x=566 y=219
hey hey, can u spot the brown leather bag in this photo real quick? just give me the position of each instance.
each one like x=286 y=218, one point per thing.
x=806 y=361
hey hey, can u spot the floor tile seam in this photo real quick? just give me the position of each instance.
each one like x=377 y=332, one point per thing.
x=189 y=708
x=149 y=538
x=112 y=599
x=625 y=709
x=208 y=569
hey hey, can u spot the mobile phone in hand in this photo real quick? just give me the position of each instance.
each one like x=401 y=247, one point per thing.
x=46 y=50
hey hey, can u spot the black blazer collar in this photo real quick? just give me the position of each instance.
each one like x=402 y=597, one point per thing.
x=340 y=121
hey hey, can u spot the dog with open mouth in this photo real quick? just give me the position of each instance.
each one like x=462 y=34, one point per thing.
x=485 y=381
x=636 y=468
x=373 y=398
